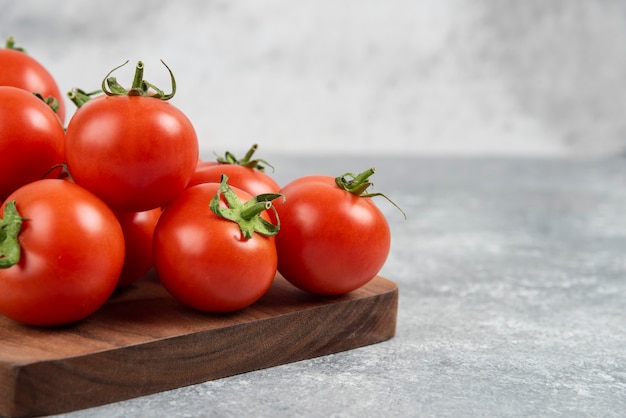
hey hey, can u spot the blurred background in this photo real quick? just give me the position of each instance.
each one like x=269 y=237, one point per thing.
x=486 y=77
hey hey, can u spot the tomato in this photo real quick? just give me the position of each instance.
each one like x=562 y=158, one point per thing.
x=331 y=241
x=72 y=252
x=208 y=262
x=23 y=71
x=246 y=174
x=31 y=139
x=138 y=228
x=135 y=152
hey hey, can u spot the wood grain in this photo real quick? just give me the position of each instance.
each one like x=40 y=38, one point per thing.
x=143 y=341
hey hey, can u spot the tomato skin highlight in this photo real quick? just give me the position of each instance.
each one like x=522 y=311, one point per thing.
x=331 y=242
x=138 y=228
x=250 y=180
x=23 y=71
x=31 y=139
x=203 y=260
x=72 y=255
x=135 y=153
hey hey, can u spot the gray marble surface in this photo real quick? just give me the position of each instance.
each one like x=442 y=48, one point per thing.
x=529 y=77
x=512 y=280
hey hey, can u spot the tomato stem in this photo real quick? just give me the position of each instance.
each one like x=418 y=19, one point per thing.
x=51 y=101
x=10 y=44
x=10 y=227
x=140 y=87
x=246 y=215
x=80 y=97
x=251 y=211
x=358 y=185
x=246 y=161
x=138 y=84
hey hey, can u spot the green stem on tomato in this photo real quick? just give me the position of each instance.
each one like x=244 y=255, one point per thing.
x=51 y=101
x=140 y=87
x=251 y=211
x=10 y=227
x=246 y=215
x=138 y=84
x=246 y=161
x=80 y=97
x=10 y=44
x=358 y=185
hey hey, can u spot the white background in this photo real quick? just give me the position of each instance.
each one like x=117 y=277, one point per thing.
x=483 y=77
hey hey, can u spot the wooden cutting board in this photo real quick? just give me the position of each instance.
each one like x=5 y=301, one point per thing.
x=143 y=341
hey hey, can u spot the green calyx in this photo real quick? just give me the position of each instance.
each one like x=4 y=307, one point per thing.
x=246 y=161
x=10 y=44
x=51 y=101
x=246 y=215
x=80 y=97
x=358 y=185
x=10 y=227
x=140 y=87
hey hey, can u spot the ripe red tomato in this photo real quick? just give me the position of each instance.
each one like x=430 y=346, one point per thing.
x=72 y=251
x=331 y=241
x=246 y=173
x=138 y=228
x=204 y=260
x=23 y=71
x=31 y=139
x=133 y=151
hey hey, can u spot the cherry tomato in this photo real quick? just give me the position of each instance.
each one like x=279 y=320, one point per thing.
x=246 y=173
x=331 y=241
x=23 y=71
x=138 y=228
x=135 y=152
x=31 y=139
x=207 y=262
x=71 y=253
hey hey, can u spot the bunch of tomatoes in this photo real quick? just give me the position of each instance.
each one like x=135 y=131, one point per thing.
x=92 y=205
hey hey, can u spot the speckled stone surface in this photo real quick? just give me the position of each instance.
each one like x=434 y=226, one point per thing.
x=512 y=281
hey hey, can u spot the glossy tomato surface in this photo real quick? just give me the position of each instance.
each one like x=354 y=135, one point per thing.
x=135 y=153
x=204 y=261
x=31 y=139
x=331 y=242
x=18 y=69
x=248 y=179
x=138 y=228
x=72 y=251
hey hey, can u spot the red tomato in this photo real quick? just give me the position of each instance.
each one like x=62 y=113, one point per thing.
x=23 y=71
x=204 y=260
x=250 y=180
x=331 y=241
x=31 y=139
x=72 y=251
x=138 y=230
x=135 y=153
